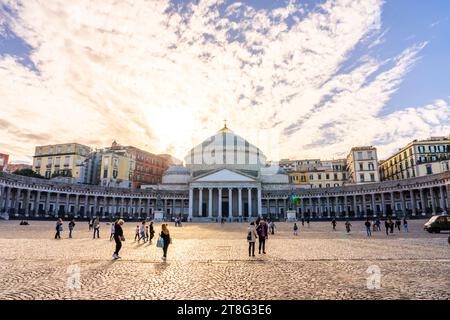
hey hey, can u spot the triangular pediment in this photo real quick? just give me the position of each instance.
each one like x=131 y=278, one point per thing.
x=224 y=175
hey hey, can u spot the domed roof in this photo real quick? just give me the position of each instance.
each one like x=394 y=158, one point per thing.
x=177 y=170
x=225 y=149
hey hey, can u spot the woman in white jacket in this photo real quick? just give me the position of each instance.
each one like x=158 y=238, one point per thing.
x=251 y=239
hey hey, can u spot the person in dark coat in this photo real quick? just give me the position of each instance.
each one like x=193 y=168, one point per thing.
x=263 y=233
x=118 y=238
x=165 y=235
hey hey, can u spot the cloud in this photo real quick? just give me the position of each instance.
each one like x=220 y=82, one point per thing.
x=163 y=76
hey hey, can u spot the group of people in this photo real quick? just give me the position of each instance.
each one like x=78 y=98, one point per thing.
x=260 y=231
x=144 y=232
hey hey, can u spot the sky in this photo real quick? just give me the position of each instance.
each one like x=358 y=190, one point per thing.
x=300 y=79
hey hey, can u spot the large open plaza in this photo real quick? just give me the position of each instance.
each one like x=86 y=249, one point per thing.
x=210 y=261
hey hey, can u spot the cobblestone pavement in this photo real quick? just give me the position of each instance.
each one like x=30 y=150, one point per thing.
x=210 y=261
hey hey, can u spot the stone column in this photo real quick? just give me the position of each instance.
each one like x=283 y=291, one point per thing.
x=191 y=201
x=230 y=202
x=310 y=207
x=200 y=202
x=413 y=202
x=36 y=203
x=240 y=202
x=260 y=203
x=374 y=207
x=95 y=206
x=423 y=201
x=302 y=206
x=364 y=205
x=268 y=206
x=336 y=205
x=355 y=206
x=249 y=202
x=219 y=199
x=77 y=205
x=2 y=196
x=402 y=202
x=346 y=206
x=441 y=199
x=210 y=202
x=447 y=187
x=47 y=203
x=393 y=203
x=328 y=207
x=140 y=208
x=87 y=212
x=27 y=201
x=383 y=205
x=66 y=207
x=16 y=202
x=433 y=202
x=319 y=207
x=57 y=204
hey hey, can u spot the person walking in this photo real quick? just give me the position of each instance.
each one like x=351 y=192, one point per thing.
x=333 y=223
x=136 y=234
x=71 y=226
x=251 y=239
x=96 y=226
x=118 y=238
x=142 y=232
x=347 y=226
x=405 y=225
x=303 y=222
x=295 y=229
x=152 y=232
x=378 y=224
x=398 y=224
x=368 y=225
x=112 y=230
x=263 y=234
x=272 y=227
x=307 y=222
x=59 y=228
x=166 y=240
x=387 y=226
x=391 y=225
x=91 y=223
x=147 y=233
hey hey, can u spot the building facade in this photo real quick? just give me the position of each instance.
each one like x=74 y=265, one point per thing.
x=315 y=173
x=60 y=159
x=148 y=168
x=12 y=167
x=116 y=169
x=362 y=165
x=229 y=180
x=417 y=159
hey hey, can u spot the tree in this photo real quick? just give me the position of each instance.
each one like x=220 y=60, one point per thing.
x=28 y=173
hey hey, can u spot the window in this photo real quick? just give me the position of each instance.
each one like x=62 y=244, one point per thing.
x=361 y=177
x=441 y=148
x=421 y=149
x=429 y=169
x=68 y=149
x=59 y=148
x=319 y=177
x=303 y=178
x=369 y=154
x=311 y=177
x=360 y=155
x=39 y=151
x=327 y=176
x=51 y=150
x=371 y=167
x=67 y=161
x=372 y=177
x=432 y=148
x=335 y=176
x=361 y=166
x=57 y=161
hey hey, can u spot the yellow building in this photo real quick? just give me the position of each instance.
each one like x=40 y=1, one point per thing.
x=316 y=173
x=417 y=159
x=116 y=169
x=60 y=159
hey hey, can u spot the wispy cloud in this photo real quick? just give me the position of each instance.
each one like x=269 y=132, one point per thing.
x=163 y=76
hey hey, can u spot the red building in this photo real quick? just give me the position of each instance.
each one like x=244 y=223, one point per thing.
x=149 y=167
x=3 y=161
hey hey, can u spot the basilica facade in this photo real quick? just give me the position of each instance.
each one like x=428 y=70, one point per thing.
x=225 y=176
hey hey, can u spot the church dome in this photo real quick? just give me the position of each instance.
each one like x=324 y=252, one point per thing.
x=225 y=149
x=176 y=175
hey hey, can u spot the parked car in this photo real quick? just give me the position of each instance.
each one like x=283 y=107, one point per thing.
x=437 y=224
